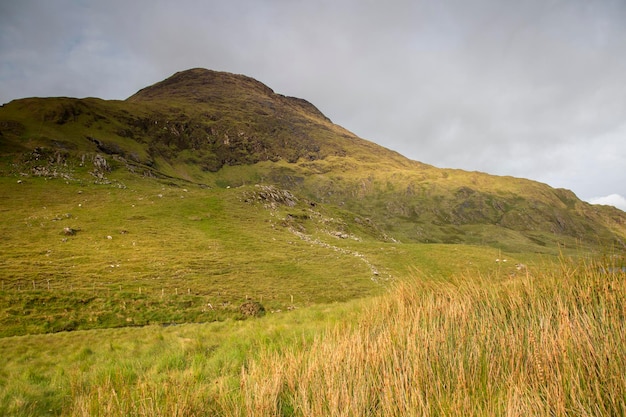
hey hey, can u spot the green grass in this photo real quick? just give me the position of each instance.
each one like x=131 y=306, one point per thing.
x=150 y=370
x=172 y=252
x=178 y=253
x=547 y=341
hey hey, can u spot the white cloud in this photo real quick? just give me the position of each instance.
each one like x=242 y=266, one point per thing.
x=614 y=200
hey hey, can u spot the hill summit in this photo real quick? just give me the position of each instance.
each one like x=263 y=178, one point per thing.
x=226 y=130
x=203 y=85
x=215 y=88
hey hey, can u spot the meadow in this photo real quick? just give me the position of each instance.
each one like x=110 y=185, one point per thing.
x=158 y=251
x=545 y=342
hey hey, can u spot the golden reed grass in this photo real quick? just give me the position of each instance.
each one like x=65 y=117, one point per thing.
x=543 y=344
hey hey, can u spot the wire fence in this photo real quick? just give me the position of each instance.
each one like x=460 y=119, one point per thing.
x=98 y=288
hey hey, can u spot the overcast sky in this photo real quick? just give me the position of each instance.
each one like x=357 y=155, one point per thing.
x=533 y=89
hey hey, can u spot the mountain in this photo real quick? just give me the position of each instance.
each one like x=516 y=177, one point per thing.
x=225 y=130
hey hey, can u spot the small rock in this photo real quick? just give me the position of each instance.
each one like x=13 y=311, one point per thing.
x=68 y=231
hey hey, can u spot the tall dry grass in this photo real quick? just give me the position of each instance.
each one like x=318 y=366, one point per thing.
x=116 y=397
x=546 y=343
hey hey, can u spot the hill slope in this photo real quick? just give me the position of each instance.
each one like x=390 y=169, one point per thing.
x=223 y=129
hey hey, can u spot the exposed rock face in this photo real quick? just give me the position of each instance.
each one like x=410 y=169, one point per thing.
x=45 y=162
x=273 y=196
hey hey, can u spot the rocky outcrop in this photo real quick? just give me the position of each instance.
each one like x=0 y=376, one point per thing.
x=271 y=196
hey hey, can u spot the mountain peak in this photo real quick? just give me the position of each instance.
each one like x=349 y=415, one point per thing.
x=200 y=84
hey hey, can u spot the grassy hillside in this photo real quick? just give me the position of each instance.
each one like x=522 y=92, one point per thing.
x=79 y=255
x=221 y=129
x=151 y=252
